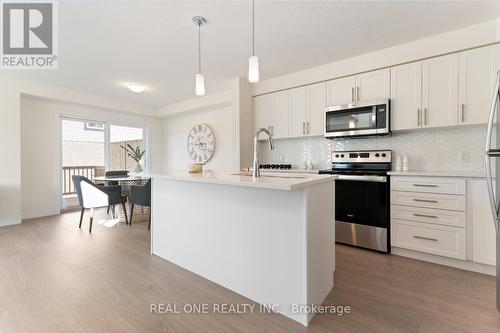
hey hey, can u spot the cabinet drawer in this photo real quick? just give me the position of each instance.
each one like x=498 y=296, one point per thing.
x=429 y=215
x=429 y=200
x=433 y=239
x=443 y=185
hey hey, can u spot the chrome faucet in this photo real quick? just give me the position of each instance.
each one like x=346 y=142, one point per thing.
x=256 y=169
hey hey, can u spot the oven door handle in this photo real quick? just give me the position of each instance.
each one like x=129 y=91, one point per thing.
x=378 y=179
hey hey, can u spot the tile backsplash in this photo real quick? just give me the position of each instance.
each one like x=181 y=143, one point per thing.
x=427 y=149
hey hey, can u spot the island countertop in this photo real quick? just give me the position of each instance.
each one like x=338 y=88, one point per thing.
x=267 y=180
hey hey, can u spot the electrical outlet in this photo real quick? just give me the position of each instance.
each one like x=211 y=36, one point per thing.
x=463 y=156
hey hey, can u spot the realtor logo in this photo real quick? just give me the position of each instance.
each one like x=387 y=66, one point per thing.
x=29 y=39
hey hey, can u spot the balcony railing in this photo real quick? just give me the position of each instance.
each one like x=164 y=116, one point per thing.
x=87 y=171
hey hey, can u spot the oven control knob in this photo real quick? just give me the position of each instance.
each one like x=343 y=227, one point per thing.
x=337 y=155
x=377 y=155
x=342 y=155
x=384 y=155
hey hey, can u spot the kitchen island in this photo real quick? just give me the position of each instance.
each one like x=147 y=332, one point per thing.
x=270 y=239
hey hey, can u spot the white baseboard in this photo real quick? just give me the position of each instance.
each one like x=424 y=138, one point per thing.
x=461 y=264
x=10 y=221
x=44 y=213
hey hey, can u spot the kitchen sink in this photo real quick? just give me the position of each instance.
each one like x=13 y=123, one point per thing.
x=248 y=174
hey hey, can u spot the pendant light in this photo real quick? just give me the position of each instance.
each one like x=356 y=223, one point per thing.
x=199 y=78
x=253 y=61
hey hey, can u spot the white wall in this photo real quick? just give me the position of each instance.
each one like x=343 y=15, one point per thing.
x=228 y=113
x=41 y=148
x=469 y=37
x=176 y=132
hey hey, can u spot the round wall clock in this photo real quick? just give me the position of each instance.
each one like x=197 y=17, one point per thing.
x=201 y=143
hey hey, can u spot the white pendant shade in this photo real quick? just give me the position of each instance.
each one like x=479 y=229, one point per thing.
x=253 y=69
x=200 y=85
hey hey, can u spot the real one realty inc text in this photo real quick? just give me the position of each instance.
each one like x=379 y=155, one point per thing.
x=230 y=308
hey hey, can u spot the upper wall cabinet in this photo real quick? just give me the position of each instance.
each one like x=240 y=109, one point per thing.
x=271 y=112
x=281 y=104
x=341 y=91
x=440 y=91
x=477 y=74
x=262 y=111
x=298 y=111
x=406 y=96
x=373 y=85
x=359 y=88
x=316 y=103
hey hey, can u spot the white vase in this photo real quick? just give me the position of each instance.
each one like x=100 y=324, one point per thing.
x=138 y=168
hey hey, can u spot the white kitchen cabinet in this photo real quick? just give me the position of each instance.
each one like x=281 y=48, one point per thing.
x=281 y=104
x=483 y=229
x=298 y=111
x=440 y=91
x=271 y=112
x=406 y=96
x=262 y=111
x=316 y=103
x=341 y=91
x=373 y=85
x=363 y=87
x=477 y=73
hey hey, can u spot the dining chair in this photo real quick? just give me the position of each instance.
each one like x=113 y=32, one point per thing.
x=140 y=195
x=91 y=196
x=117 y=174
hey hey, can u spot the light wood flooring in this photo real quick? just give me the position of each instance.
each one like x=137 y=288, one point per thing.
x=55 y=277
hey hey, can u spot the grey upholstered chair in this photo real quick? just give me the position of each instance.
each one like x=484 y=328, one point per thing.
x=91 y=196
x=140 y=195
x=117 y=174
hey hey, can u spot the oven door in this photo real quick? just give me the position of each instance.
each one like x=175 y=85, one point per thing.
x=357 y=119
x=362 y=211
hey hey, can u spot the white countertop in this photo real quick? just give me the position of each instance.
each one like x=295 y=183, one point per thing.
x=268 y=180
x=441 y=173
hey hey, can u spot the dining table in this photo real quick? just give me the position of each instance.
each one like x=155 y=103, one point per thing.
x=141 y=213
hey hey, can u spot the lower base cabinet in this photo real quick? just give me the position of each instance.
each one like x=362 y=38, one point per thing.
x=429 y=238
x=483 y=228
x=442 y=216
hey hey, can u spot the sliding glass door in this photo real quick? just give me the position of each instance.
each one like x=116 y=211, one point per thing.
x=83 y=153
x=126 y=147
x=90 y=147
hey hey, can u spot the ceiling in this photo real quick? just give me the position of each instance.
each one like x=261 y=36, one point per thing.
x=103 y=44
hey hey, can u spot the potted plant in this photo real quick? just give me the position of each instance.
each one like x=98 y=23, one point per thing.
x=136 y=154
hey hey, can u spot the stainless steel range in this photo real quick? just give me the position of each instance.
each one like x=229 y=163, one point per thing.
x=362 y=198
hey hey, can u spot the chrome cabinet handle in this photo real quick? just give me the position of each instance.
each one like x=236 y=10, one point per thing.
x=357 y=92
x=463 y=113
x=488 y=155
x=424 y=185
x=308 y=127
x=419 y=117
x=424 y=215
x=425 y=116
x=423 y=200
x=425 y=238
x=272 y=130
x=352 y=94
x=303 y=128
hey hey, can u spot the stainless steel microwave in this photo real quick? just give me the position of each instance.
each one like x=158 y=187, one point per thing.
x=358 y=119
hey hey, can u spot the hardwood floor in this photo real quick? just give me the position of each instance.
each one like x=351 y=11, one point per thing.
x=57 y=278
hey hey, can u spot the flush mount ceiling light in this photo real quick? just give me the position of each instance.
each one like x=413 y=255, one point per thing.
x=136 y=87
x=253 y=61
x=199 y=78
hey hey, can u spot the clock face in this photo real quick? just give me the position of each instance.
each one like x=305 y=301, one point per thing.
x=201 y=143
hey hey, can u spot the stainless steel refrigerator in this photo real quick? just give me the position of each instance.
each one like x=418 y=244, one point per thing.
x=492 y=160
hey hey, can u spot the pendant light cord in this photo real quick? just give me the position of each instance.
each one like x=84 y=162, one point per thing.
x=199 y=47
x=253 y=27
